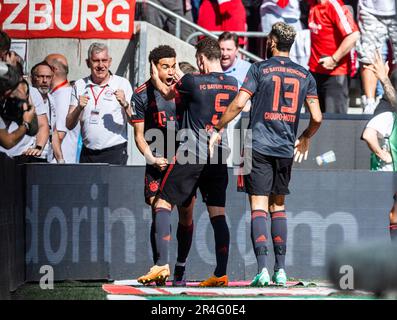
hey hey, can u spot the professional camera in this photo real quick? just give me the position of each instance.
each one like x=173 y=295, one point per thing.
x=9 y=78
x=11 y=109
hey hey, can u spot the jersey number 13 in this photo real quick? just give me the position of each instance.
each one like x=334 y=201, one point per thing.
x=293 y=95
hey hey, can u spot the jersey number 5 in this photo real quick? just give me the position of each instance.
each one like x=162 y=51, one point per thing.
x=293 y=95
x=218 y=107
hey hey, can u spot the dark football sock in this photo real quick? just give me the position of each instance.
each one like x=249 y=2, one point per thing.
x=179 y=271
x=259 y=236
x=393 y=231
x=279 y=237
x=222 y=240
x=153 y=238
x=184 y=235
x=163 y=234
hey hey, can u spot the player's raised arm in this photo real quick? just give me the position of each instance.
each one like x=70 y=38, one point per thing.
x=235 y=107
x=303 y=142
x=381 y=71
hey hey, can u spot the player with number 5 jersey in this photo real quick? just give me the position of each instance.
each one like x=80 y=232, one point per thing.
x=205 y=97
x=278 y=88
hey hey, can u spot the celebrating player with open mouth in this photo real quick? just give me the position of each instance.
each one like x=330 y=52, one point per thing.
x=152 y=112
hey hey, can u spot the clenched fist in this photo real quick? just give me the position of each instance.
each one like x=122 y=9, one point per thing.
x=120 y=96
x=83 y=101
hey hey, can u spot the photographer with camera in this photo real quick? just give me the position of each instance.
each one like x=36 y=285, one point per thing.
x=15 y=109
x=29 y=149
x=12 y=107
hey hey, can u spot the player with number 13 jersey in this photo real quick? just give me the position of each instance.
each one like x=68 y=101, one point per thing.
x=281 y=88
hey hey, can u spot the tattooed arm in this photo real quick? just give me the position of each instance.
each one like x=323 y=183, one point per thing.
x=381 y=70
x=390 y=92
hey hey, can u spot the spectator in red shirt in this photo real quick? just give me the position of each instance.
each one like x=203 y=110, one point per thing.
x=333 y=35
x=223 y=15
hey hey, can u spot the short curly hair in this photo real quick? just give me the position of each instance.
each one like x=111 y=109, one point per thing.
x=284 y=35
x=161 y=52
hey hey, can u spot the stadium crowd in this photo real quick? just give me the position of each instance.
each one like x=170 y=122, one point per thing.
x=335 y=39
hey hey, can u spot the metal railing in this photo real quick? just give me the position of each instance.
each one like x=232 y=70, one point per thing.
x=248 y=34
x=199 y=30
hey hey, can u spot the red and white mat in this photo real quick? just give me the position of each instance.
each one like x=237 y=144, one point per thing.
x=132 y=290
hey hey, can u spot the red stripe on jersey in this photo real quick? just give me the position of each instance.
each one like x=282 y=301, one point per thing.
x=171 y=166
x=142 y=87
x=240 y=181
x=240 y=176
x=246 y=90
x=137 y=120
x=278 y=215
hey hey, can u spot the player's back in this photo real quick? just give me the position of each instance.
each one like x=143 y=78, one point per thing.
x=278 y=88
x=205 y=98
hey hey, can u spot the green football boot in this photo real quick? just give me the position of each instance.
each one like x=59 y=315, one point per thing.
x=280 y=278
x=262 y=279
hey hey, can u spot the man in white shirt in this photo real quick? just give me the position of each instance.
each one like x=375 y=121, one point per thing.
x=380 y=132
x=384 y=124
x=41 y=75
x=231 y=63
x=377 y=134
x=377 y=22
x=61 y=91
x=234 y=66
x=100 y=104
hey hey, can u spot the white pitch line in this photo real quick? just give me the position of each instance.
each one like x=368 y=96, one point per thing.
x=124 y=297
x=132 y=282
